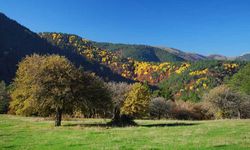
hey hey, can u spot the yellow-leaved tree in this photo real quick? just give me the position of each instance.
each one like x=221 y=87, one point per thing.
x=137 y=101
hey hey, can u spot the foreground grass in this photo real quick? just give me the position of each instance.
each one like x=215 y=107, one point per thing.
x=37 y=133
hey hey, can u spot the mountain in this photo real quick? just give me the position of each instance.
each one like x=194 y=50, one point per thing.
x=140 y=52
x=17 y=41
x=245 y=57
x=217 y=57
x=184 y=55
x=150 y=53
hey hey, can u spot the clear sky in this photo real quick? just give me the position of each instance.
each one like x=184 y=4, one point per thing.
x=201 y=26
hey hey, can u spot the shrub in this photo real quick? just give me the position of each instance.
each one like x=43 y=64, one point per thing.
x=158 y=107
x=225 y=103
x=191 y=111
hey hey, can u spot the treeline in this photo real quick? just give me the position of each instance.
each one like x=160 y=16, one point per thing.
x=50 y=85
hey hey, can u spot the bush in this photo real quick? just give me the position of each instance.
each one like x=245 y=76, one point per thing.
x=225 y=103
x=158 y=107
x=191 y=111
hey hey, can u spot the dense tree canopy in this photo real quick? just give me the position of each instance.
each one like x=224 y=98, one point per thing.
x=241 y=80
x=137 y=100
x=52 y=84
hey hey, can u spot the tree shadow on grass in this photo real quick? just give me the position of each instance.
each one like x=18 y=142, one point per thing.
x=170 y=124
x=135 y=125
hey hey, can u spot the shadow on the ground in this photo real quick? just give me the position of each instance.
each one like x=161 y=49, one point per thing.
x=138 y=125
x=170 y=124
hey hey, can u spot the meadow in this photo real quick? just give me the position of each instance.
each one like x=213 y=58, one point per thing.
x=39 y=133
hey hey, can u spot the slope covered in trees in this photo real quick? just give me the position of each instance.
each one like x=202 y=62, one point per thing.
x=140 y=52
x=245 y=57
x=16 y=41
x=151 y=72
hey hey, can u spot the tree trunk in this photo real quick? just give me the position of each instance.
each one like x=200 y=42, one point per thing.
x=116 y=115
x=58 y=118
x=159 y=116
x=239 y=114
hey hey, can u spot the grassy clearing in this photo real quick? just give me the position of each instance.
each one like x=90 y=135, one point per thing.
x=37 y=133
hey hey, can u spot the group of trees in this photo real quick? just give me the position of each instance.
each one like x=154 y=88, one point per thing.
x=50 y=85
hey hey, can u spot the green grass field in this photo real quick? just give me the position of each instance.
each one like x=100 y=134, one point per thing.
x=38 y=133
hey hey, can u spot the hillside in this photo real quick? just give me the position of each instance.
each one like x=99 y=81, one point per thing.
x=186 y=79
x=17 y=41
x=245 y=57
x=140 y=52
x=217 y=57
x=184 y=55
x=128 y=67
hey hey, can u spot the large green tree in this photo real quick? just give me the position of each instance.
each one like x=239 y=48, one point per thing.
x=241 y=80
x=53 y=85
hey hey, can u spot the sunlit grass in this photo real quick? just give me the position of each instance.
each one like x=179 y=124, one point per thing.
x=38 y=133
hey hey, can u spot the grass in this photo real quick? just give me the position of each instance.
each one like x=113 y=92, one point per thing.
x=38 y=133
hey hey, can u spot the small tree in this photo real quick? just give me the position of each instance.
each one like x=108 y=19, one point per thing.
x=137 y=101
x=4 y=98
x=167 y=93
x=158 y=107
x=225 y=103
x=119 y=92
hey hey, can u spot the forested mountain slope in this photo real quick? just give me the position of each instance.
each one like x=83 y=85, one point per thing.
x=17 y=41
x=140 y=52
x=210 y=71
x=245 y=57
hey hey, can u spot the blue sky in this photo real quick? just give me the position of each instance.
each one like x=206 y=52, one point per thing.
x=201 y=26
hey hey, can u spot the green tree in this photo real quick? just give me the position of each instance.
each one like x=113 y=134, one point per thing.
x=241 y=80
x=137 y=101
x=53 y=85
x=4 y=98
